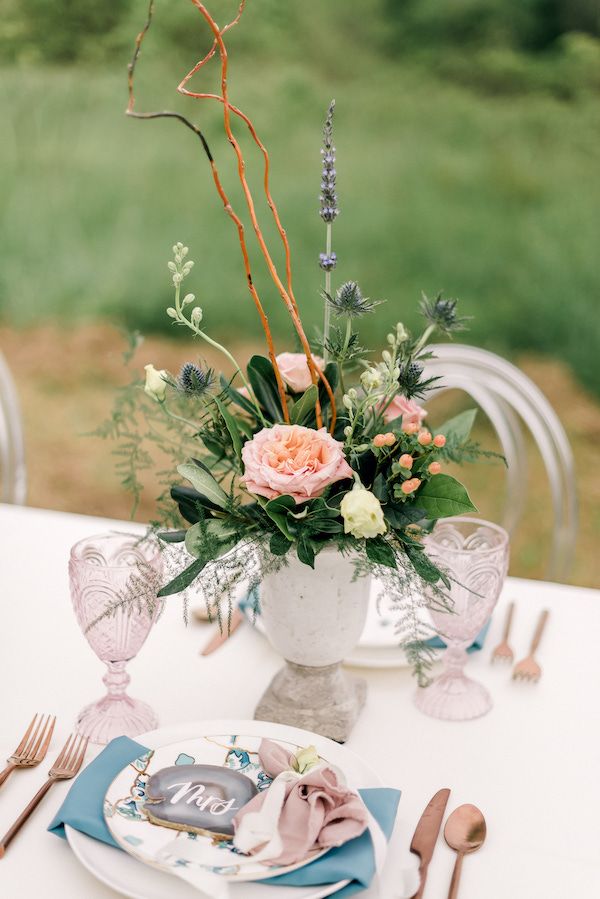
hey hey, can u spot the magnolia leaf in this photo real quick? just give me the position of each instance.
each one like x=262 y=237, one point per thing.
x=401 y=515
x=304 y=408
x=380 y=552
x=277 y=509
x=458 y=428
x=183 y=579
x=172 y=536
x=231 y=425
x=279 y=544
x=444 y=496
x=204 y=483
x=306 y=551
x=264 y=384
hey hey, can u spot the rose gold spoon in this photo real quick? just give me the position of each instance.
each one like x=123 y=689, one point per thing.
x=464 y=832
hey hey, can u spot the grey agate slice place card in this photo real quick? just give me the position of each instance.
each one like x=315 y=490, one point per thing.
x=202 y=799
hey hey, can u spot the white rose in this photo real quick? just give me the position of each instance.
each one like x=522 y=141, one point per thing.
x=362 y=513
x=155 y=385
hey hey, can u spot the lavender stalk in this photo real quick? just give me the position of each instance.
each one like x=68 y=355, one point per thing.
x=329 y=211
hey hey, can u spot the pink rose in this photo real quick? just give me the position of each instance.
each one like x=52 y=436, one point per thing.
x=295 y=371
x=410 y=411
x=294 y=460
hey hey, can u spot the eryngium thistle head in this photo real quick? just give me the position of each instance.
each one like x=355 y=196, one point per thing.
x=442 y=313
x=329 y=207
x=192 y=379
x=411 y=381
x=348 y=300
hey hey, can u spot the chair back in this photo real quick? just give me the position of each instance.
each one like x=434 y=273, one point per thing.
x=509 y=398
x=13 y=481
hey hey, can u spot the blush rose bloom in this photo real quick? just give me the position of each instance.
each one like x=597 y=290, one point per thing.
x=410 y=411
x=295 y=371
x=290 y=459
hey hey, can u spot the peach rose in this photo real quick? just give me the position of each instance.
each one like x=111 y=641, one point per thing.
x=295 y=371
x=293 y=460
x=410 y=411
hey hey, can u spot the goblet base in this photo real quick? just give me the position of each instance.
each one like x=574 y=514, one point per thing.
x=454 y=697
x=112 y=717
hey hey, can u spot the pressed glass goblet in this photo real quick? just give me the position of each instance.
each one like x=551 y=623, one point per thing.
x=474 y=554
x=114 y=581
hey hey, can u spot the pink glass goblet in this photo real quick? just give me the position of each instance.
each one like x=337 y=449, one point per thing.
x=114 y=581
x=474 y=554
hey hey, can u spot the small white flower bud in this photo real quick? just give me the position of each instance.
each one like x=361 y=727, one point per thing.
x=185 y=251
x=179 y=246
x=187 y=267
x=352 y=393
x=391 y=339
x=188 y=298
x=177 y=279
x=171 y=312
x=401 y=332
x=177 y=258
x=347 y=431
x=171 y=266
x=196 y=316
x=174 y=248
x=386 y=356
x=347 y=401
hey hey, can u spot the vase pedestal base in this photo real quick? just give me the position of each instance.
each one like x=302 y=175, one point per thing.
x=324 y=700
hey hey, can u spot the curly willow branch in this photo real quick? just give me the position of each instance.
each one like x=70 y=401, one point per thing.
x=226 y=204
x=290 y=303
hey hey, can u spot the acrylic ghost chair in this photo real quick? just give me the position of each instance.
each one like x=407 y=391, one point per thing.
x=13 y=481
x=510 y=399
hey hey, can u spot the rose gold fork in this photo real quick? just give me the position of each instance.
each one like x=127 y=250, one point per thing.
x=65 y=767
x=503 y=652
x=528 y=669
x=32 y=748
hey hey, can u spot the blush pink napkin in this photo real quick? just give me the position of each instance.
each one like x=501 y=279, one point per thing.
x=318 y=812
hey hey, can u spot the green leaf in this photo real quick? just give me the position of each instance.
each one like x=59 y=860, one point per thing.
x=402 y=514
x=424 y=566
x=204 y=483
x=279 y=544
x=304 y=408
x=236 y=397
x=380 y=552
x=306 y=551
x=277 y=509
x=458 y=428
x=172 y=536
x=380 y=488
x=444 y=496
x=231 y=425
x=264 y=384
x=183 y=579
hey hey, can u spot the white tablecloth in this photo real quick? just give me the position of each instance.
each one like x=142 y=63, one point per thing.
x=531 y=765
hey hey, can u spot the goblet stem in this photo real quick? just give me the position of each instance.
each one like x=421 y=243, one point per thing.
x=455 y=659
x=116 y=679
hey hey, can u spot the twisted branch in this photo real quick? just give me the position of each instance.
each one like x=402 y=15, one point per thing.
x=226 y=204
x=290 y=303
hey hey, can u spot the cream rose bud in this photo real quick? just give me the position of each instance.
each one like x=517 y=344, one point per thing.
x=295 y=371
x=362 y=513
x=155 y=385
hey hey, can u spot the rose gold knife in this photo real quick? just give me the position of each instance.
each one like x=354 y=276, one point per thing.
x=222 y=636
x=426 y=834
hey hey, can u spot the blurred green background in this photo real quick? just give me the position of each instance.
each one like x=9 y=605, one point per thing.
x=468 y=139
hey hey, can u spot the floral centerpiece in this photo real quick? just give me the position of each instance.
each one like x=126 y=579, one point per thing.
x=302 y=456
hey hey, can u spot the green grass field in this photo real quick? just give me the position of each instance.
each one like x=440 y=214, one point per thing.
x=492 y=198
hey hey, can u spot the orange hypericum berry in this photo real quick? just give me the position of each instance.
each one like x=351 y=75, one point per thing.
x=434 y=468
x=406 y=460
x=410 y=427
x=410 y=486
x=424 y=438
x=439 y=440
x=380 y=440
x=390 y=438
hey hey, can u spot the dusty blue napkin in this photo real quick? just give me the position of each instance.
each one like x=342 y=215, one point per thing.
x=354 y=861
x=250 y=605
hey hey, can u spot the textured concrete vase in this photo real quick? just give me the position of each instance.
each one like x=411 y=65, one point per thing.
x=314 y=619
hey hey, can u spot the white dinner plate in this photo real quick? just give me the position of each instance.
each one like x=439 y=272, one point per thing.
x=129 y=877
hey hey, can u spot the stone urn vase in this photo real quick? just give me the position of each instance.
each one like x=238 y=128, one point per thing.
x=314 y=618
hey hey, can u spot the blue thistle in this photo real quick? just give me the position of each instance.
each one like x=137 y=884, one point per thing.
x=328 y=261
x=192 y=379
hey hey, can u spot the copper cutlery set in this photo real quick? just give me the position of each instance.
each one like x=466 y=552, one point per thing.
x=464 y=832
x=527 y=669
x=30 y=752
